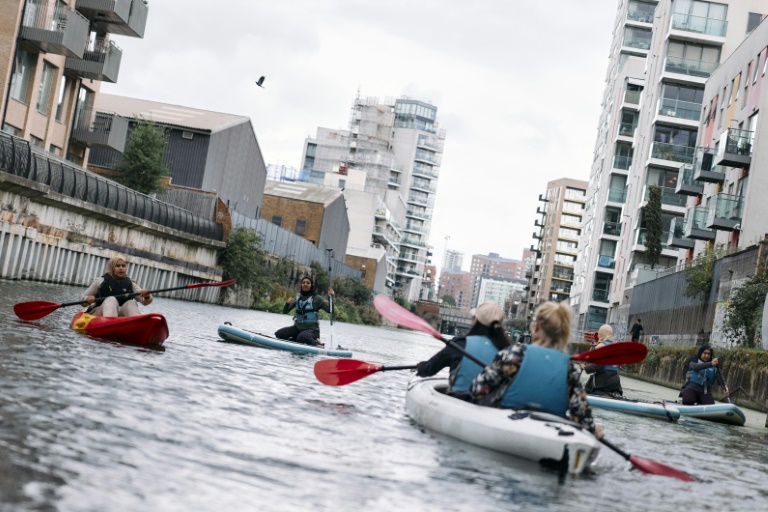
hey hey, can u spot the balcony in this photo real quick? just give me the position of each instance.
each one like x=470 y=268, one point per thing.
x=686 y=185
x=641 y=16
x=680 y=109
x=606 y=261
x=543 y=199
x=672 y=152
x=600 y=295
x=699 y=24
x=735 y=149
x=422 y=170
x=622 y=162
x=382 y=236
x=104 y=14
x=704 y=168
x=669 y=197
x=612 y=228
x=642 y=234
x=538 y=223
x=413 y=243
x=677 y=235
x=561 y=273
x=627 y=129
x=537 y=235
x=541 y=211
x=104 y=130
x=695 y=226
x=423 y=186
x=690 y=67
x=62 y=31
x=418 y=215
x=617 y=195
x=100 y=63
x=632 y=97
x=641 y=43
x=726 y=213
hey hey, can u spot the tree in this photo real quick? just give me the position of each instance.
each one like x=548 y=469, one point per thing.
x=653 y=225
x=242 y=259
x=698 y=276
x=745 y=309
x=141 y=165
x=448 y=300
x=352 y=288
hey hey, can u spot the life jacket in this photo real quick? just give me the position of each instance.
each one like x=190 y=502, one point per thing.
x=482 y=348
x=541 y=382
x=705 y=377
x=306 y=316
x=609 y=368
x=112 y=287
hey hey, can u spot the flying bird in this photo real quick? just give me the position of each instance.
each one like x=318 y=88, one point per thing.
x=260 y=81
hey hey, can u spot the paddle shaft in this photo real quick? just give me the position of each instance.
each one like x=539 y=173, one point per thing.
x=174 y=288
x=721 y=381
x=391 y=368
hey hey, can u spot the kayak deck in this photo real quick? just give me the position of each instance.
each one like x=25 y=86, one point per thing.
x=728 y=414
x=659 y=410
x=232 y=334
x=552 y=442
x=149 y=330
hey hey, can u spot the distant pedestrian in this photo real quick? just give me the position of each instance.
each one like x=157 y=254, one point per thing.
x=636 y=330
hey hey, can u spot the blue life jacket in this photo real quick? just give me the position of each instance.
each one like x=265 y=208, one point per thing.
x=541 y=382
x=609 y=368
x=306 y=316
x=482 y=348
x=112 y=287
x=701 y=376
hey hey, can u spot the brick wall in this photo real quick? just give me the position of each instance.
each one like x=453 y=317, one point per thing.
x=292 y=210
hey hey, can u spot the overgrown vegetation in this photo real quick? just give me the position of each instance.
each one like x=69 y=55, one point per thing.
x=653 y=226
x=448 y=300
x=698 y=276
x=745 y=309
x=141 y=165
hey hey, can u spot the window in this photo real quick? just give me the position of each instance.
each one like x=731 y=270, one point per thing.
x=36 y=141
x=55 y=150
x=21 y=72
x=301 y=227
x=754 y=70
x=60 y=101
x=11 y=129
x=277 y=220
x=187 y=135
x=753 y=21
x=45 y=89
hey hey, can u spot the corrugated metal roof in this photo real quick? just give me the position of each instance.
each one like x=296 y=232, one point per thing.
x=301 y=191
x=165 y=113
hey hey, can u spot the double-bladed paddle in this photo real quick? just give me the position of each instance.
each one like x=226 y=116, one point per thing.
x=340 y=372
x=613 y=354
x=38 y=308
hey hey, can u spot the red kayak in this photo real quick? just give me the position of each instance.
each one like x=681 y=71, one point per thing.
x=144 y=330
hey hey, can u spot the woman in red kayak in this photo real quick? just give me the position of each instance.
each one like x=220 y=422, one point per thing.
x=116 y=289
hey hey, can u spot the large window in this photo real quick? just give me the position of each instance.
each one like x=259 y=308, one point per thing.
x=702 y=17
x=21 y=74
x=692 y=59
x=301 y=227
x=681 y=101
x=46 y=82
x=637 y=38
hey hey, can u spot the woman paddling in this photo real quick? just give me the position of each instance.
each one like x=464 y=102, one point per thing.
x=538 y=376
x=305 y=328
x=603 y=380
x=700 y=373
x=483 y=340
x=116 y=288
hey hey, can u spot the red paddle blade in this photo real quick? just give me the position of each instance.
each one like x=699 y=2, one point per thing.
x=339 y=372
x=391 y=310
x=615 y=353
x=35 y=309
x=651 y=467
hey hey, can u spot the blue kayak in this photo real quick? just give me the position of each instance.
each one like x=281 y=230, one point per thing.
x=232 y=334
x=729 y=414
x=660 y=410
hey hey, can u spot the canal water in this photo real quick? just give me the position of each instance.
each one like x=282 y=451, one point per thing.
x=87 y=425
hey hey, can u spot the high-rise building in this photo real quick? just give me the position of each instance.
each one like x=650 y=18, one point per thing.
x=388 y=163
x=662 y=54
x=493 y=266
x=55 y=56
x=558 y=233
x=453 y=260
x=457 y=284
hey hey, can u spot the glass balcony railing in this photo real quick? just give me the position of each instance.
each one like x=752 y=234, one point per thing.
x=668 y=196
x=704 y=168
x=617 y=195
x=698 y=217
x=641 y=15
x=642 y=235
x=672 y=152
x=632 y=97
x=680 y=109
x=677 y=227
x=690 y=67
x=622 y=162
x=642 y=43
x=699 y=24
x=727 y=206
x=686 y=184
x=627 y=129
x=600 y=295
x=606 y=261
x=612 y=228
x=735 y=148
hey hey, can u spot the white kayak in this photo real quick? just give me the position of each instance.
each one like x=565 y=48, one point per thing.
x=530 y=435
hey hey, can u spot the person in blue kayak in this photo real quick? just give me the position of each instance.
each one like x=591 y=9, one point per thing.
x=701 y=373
x=484 y=339
x=538 y=376
x=305 y=328
x=603 y=380
x=116 y=288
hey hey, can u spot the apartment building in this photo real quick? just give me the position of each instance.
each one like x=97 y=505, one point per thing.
x=389 y=160
x=559 y=228
x=457 y=284
x=55 y=54
x=662 y=54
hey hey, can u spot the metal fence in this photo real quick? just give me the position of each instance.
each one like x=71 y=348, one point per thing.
x=17 y=157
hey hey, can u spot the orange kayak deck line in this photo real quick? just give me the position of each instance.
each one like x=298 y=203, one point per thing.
x=149 y=330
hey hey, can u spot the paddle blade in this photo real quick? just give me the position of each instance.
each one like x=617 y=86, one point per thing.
x=614 y=354
x=392 y=311
x=340 y=372
x=651 y=467
x=35 y=309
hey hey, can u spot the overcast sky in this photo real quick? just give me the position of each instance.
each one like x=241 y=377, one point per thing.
x=517 y=84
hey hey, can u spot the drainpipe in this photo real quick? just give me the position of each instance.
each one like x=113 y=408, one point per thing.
x=13 y=64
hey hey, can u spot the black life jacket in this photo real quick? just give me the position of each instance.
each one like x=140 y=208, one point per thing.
x=116 y=287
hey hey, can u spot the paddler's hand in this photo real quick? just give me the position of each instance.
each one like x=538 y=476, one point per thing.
x=714 y=362
x=331 y=293
x=599 y=431
x=291 y=300
x=146 y=298
x=90 y=299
